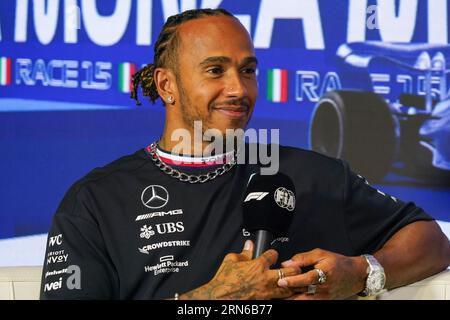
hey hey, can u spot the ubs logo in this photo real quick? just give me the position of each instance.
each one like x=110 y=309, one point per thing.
x=161 y=228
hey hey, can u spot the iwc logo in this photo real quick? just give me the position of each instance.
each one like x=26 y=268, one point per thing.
x=155 y=197
x=285 y=198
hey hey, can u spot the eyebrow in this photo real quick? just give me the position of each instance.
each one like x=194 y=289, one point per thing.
x=223 y=59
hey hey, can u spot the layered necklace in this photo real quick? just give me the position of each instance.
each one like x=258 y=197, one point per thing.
x=191 y=178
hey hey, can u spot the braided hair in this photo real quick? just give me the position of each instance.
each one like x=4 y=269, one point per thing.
x=165 y=51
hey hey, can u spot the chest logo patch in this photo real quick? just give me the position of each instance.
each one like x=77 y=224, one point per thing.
x=155 y=197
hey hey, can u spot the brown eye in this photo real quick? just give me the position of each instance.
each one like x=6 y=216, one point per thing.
x=249 y=70
x=215 y=70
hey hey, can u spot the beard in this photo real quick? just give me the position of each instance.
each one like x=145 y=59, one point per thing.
x=190 y=113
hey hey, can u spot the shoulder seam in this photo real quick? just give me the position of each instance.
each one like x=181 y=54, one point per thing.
x=344 y=197
x=112 y=172
x=82 y=184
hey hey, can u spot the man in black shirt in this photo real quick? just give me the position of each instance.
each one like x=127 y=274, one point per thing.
x=137 y=229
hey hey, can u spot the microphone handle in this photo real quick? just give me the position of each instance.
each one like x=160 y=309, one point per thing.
x=263 y=239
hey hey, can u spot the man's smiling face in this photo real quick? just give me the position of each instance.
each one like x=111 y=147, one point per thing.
x=216 y=77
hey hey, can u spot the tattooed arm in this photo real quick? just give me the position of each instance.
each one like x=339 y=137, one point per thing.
x=241 y=278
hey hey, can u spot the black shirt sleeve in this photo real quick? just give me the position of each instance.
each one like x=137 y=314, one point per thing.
x=77 y=264
x=371 y=216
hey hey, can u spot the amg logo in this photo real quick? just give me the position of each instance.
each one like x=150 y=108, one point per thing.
x=255 y=196
x=159 y=214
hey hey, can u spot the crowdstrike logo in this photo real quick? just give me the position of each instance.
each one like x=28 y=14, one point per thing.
x=155 y=197
x=165 y=244
x=285 y=198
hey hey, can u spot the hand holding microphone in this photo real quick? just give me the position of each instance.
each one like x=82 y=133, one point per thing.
x=268 y=209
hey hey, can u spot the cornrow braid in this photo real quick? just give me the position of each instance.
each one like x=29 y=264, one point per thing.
x=144 y=77
x=165 y=52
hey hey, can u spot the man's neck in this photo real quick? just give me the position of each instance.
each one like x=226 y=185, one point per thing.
x=185 y=146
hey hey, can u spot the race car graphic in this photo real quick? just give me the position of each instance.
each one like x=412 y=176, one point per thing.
x=394 y=114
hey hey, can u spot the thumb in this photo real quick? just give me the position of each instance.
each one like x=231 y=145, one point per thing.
x=248 y=249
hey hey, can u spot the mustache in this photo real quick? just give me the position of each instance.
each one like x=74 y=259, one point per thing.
x=232 y=102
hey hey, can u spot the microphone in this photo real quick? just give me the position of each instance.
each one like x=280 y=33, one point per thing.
x=268 y=208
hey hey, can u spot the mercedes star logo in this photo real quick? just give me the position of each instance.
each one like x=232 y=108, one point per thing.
x=155 y=197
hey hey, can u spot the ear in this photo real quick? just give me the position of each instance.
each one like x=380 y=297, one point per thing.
x=166 y=85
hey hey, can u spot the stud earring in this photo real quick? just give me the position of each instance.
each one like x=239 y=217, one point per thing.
x=170 y=99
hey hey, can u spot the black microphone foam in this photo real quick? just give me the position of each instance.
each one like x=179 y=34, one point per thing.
x=269 y=204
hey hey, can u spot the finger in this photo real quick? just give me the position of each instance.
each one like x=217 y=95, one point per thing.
x=248 y=249
x=300 y=280
x=268 y=258
x=285 y=272
x=300 y=290
x=281 y=293
x=305 y=259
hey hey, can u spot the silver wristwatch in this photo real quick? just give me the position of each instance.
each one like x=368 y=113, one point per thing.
x=376 y=278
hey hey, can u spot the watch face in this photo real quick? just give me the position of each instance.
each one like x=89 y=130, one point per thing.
x=376 y=281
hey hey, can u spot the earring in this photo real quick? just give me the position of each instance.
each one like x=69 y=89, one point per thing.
x=170 y=99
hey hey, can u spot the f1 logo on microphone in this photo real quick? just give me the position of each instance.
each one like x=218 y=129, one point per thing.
x=255 y=196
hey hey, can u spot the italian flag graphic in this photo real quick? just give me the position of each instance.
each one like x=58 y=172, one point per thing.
x=126 y=70
x=277 y=85
x=5 y=71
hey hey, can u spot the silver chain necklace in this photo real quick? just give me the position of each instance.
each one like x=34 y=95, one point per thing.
x=184 y=177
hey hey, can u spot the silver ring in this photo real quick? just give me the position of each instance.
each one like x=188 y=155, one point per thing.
x=280 y=274
x=322 y=276
x=312 y=289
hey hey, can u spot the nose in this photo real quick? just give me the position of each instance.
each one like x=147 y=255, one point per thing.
x=235 y=86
